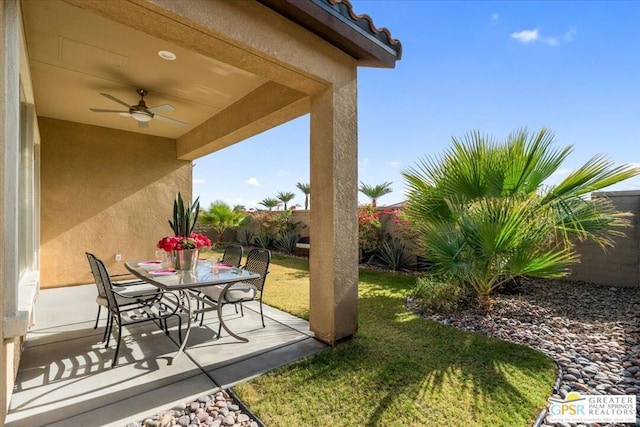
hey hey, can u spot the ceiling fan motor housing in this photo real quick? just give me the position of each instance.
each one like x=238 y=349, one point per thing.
x=140 y=112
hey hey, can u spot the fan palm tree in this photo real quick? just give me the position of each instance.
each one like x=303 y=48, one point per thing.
x=375 y=192
x=484 y=216
x=221 y=218
x=306 y=190
x=285 y=197
x=269 y=203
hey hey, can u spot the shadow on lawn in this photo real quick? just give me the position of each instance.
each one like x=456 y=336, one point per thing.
x=401 y=368
x=432 y=374
x=429 y=360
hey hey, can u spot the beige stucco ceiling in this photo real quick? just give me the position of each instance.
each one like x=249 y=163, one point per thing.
x=75 y=55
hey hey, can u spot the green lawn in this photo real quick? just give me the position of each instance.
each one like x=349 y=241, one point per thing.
x=399 y=369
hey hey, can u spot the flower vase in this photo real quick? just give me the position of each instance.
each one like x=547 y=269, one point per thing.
x=185 y=259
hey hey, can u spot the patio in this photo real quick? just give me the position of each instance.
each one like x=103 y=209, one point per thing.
x=65 y=376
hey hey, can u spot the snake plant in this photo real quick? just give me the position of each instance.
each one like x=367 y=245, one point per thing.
x=184 y=216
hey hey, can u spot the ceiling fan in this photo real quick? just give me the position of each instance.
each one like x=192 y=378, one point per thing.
x=140 y=112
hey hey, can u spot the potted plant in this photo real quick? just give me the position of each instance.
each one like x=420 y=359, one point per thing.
x=184 y=246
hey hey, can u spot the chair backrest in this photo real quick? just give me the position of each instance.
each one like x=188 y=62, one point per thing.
x=96 y=274
x=233 y=255
x=258 y=262
x=103 y=281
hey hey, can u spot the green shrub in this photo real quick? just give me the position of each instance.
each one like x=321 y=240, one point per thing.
x=245 y=237
x=263 y=241
x=272 y=226
x=393 y=255
x=436 y=294
x=483 y=212
x=287 y=242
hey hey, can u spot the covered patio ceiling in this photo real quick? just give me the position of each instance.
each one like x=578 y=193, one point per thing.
x=77 y=50
x=76 y=54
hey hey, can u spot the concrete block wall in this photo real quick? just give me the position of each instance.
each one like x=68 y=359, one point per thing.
x=620 y=265
x=617 y=266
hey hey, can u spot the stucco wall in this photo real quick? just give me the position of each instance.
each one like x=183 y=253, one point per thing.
x=303 y=216
x=620 y=265
x=103 y=191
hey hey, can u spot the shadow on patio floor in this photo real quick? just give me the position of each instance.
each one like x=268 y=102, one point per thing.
x=65 y=376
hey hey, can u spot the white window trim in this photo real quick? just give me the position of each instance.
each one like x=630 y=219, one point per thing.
x=20 y=287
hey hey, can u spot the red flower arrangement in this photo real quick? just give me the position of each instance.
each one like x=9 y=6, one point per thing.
x=177 y=243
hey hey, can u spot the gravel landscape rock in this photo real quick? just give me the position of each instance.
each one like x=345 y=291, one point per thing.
x=215 y=410
x=592 y=332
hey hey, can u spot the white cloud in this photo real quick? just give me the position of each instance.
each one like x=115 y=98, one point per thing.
x=530 y=36
x=526 y=36
x=394 y=164
x=363 y=162
x=495 y=18
x=569 y=35
x=283 y=173
x=253 y=181
x=199 y=181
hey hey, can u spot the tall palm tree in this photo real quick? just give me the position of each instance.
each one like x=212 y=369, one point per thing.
x=221 y=218
x=285 y=197
x=484 y=215
x=306 y=190
x=269 y=203
x=375 y=192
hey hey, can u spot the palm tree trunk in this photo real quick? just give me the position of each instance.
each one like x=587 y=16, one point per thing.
x=484 y=302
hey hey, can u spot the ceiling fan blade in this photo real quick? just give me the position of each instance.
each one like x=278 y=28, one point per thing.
x=102 y=110
x=113 y=98
x=143 y=124
x=168 y=120
x=165 y=108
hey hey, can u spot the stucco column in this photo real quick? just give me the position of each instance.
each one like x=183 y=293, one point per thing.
x=334 y=227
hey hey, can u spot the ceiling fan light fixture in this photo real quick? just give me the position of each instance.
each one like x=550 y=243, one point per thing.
x=141 y=116
x=165 y=54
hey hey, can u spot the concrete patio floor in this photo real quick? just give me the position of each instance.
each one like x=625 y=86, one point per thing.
x=65 y=376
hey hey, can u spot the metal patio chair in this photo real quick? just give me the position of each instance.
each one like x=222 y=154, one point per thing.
x=133 y=288
x=258 y=261
x=126 y=307
x=232 y=255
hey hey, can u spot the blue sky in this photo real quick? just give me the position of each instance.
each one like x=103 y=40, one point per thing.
x=573 y=67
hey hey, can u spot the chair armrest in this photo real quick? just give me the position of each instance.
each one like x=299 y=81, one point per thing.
x=125 y=279
x=129 y=283
x=140 y=297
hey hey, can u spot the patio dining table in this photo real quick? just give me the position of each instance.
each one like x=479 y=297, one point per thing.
x=189 y=284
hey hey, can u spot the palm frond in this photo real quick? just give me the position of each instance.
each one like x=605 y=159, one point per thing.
x=597 y=173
